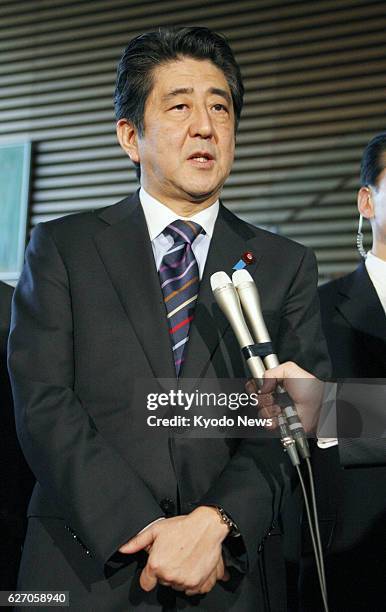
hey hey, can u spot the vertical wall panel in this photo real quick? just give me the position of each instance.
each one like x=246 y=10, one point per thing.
x=315 y=75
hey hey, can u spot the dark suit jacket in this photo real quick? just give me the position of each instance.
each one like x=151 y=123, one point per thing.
x=88 y=327
x=16 y=480
x=352 y=501
x=354 y=324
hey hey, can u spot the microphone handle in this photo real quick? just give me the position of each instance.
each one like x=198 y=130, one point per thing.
x=294 y=423
x=250 y=301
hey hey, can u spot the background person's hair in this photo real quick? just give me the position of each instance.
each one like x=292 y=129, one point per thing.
x=373 y=160
x=372 y=165
x=148 y=51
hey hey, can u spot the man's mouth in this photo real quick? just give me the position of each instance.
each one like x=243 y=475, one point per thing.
x=202 y=157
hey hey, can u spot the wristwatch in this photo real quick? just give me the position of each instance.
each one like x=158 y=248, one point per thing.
x=233 y=529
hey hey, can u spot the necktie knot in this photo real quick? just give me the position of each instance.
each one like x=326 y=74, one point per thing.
x=183 y=231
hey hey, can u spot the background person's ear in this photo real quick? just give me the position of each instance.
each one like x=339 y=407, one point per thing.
x=365 y=203
x=127 y=136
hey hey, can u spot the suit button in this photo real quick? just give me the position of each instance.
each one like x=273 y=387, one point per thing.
x=168 y=506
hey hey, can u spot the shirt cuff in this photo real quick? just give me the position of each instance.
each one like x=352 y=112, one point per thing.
x=327 y=442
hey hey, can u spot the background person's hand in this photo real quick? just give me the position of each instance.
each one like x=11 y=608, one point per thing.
x=305 y=390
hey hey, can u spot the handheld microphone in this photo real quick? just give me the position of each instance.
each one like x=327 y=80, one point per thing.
x=250 y=301
x=228 y=300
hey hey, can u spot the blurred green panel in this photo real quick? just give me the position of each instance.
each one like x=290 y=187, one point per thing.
x=14 y=189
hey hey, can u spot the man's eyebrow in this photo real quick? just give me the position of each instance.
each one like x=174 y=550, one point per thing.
x=176 y=92
x=189 y=90
x=221 y=92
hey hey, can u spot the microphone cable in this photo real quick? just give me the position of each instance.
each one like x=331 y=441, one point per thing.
x=317 y=530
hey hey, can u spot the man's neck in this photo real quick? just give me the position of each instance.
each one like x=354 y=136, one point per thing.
x=379 y=250
x=183 y=208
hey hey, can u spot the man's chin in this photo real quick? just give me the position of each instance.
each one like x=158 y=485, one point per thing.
x=199 y=198
x=200 y=195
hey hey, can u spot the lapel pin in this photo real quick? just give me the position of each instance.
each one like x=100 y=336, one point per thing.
x=247 y=259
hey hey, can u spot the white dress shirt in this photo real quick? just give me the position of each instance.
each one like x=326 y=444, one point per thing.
x=158 y=216
x=376 y=269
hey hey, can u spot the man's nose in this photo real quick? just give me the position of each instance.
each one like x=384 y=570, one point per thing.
x=201 y=123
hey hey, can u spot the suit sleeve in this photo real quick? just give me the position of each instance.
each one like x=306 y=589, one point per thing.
x=98 y=494
x=259 y=477
x=362 y=452
x=361 y=423
x=251 y=490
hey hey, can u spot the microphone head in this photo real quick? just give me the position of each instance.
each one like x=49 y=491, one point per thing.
x=250 y=302
x=227 y=298
x=241 y=276
x=219 y=280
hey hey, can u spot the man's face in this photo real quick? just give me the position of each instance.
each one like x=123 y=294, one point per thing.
x=187 y=148
x=379 y=199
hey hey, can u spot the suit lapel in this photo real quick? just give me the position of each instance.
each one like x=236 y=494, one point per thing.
x=127 y=255
x=229 y=242
x=360 y=304
x=126 y=252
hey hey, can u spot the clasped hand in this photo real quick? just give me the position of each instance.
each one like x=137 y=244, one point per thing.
x=184 y=552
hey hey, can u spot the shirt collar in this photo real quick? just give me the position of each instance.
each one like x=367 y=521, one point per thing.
x=158 y=216
x=376 y=269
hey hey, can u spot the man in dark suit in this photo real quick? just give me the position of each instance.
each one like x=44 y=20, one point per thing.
x=15 y=477
x=94 y=316
x=352 y=501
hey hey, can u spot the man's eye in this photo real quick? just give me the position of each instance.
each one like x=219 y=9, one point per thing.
x=220 y=107
x=180 y=107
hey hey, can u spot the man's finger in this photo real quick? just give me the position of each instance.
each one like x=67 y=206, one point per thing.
x=147 y=580
x=251 y=386
x=288 y=369
x=141 y=541
x=205 y=587
x=221 y=571
x=226 y=576
x=269 y=383
x=177 y=587
x=267 y=412
x=266 y=400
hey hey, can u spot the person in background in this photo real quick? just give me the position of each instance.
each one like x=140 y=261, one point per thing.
x=16 y=479
x=352 y=501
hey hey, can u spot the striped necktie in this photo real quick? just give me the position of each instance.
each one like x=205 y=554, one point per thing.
x=179 y=279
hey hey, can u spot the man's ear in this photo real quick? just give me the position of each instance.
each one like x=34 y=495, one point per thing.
x=365 y=203
x=127 y=136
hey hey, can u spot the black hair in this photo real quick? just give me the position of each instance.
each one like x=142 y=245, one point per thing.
x=373 y=160
x=148 y=51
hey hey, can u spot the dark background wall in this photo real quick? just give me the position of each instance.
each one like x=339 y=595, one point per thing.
x=315 y=75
